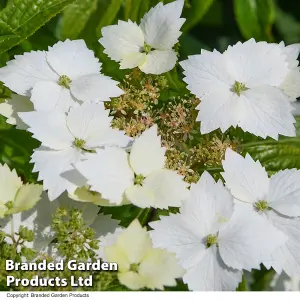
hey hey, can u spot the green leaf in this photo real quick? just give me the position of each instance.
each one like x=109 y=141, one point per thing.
x=75 y=17
x=132 y=9
x=276 y=155
x=262 y=279
x=255 y=18
x=196 y=12
x=3 y=59
x=288 y=26
x=189 y=45
x=21 y=18
x=242 y=285
x=110 y=14
x=126 y=213
x=16 y=147
x=144 y=7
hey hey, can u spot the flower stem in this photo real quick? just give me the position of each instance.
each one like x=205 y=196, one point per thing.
x=144 y=215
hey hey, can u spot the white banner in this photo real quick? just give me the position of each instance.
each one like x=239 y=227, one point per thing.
x=150 y=295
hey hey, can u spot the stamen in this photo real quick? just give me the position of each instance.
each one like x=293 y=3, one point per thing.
x=64 y=81
x=239 y=87
x=139 y=179
x=211 y=240
x=147 y=48
x=261 y=205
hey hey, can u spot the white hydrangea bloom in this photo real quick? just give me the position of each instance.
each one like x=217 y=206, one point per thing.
x=62 y=77
x=212 y=241
x=11 y=107
x=140 y=176
x=241 y=88
x=148 y=45
x=139 y=264
x=66 y=139
x=14 y=195
x=275 y=199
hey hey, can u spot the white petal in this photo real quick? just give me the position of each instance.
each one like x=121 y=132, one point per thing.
x=286 y=257
x=23 y=72
x=49 y=128
x=6 y=111
x=248 y=239
x=73 y=59
x=95 y=88
x=26 y=198
x=134 y=60
x=256 y=64
x=48 y=96
x=265 y=111
x=175 y=234
x=223 y=113
x=290 y=85
x=83 y=194
x=134 y=242
x=284 y=195
x=121 y=40
x=11 y=107
x=51 y=164
x=211 y=274
x=160 y=268
x=247 y=180
x=161 y=189
x=262 y=111
x=161 y=25
x=132 y=280
x=158 y=62
x=108 y=240
x=292 y=53
x=207 y=74
x=147 y=154
x=209 y=206
x=91 y=123
x=9 y=184
x=108 y=173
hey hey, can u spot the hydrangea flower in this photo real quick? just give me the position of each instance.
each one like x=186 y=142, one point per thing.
x=212 y=241
x=139 y=177
x=14 y=195
x=11 y=107
x=66 y=139
x=275 y=199
x=62 y=77
x=241 y=88
x=139 y=264
x=147 y=46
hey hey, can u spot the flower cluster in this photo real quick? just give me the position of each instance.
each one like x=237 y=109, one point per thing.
x=105 y=144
